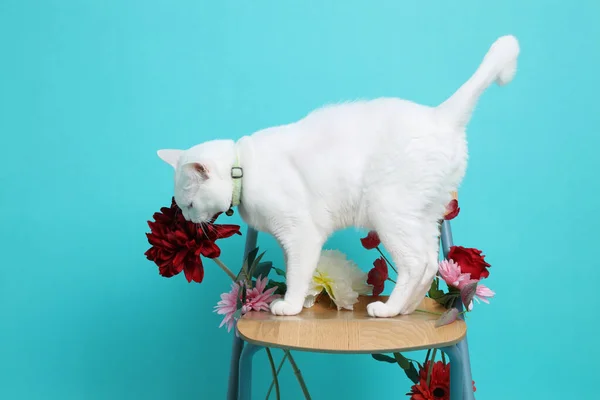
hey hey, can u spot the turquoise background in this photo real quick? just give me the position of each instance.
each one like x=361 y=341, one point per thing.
x=89 y=90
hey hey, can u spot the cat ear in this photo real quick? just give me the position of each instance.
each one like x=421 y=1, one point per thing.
x=201 y=169
x=170 y=156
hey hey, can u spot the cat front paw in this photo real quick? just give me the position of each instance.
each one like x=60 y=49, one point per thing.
x=283 y=307
x=381 y=310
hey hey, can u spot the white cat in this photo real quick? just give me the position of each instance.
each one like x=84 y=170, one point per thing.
x=388 y=165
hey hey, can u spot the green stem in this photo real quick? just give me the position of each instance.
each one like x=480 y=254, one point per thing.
x=390 y=279
x=427 y=356
x=275 y=380
x=428 y=312
x=431 y=367
x=224 y=268
x=386 y=260
x=443 y=358
x=277 y=373
x=298 y=375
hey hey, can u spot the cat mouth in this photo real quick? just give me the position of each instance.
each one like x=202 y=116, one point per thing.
x=203 y=220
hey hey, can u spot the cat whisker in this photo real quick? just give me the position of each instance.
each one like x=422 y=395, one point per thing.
x=211 y=228
x=201 y=226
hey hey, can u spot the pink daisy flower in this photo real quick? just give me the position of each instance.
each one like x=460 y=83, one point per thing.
x=452 y=275
x=257 y=299
x=450 y=272
x=228 y=305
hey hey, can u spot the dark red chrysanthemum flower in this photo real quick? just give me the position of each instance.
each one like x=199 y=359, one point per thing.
x=177 y=244
x=439 y=384
x=378 y=275
x=371 y=241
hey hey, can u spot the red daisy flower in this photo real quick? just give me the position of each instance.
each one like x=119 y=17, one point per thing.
x=439 y=384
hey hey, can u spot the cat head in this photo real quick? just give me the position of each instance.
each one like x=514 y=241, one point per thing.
x=203 y=183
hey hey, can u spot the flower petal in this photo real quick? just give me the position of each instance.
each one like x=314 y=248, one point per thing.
x=309 y=301
x=180 y=256
x=371 y=241
x=194 y=271
x=223 y=231
x=452 y=210
x=209 y=249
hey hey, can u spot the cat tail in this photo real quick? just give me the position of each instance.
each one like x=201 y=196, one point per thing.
x=499 y=64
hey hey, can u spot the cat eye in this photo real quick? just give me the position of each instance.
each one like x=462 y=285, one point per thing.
x=191 y=205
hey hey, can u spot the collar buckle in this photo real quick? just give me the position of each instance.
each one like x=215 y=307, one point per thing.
x=237 y=172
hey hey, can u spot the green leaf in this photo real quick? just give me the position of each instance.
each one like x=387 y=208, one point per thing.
x=240 y=276
x=384 y=358
x=281 y=287
x=241 y=298
x=244 y=273
x=451 y=300
x=244 y=292
x=254 y=264
x=435 y=292
x=453 y=290
x=252 y=256
x=412 y=373
x=402 y=361
x=447 y=300
x=468 y=292
x=447 y=318
x=262 y=269
x=238 y=314
x=279 y=271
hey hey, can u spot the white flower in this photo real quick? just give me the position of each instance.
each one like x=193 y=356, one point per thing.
x=340 y=278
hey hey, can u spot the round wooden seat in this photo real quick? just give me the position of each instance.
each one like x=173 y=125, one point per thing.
x=323 y=328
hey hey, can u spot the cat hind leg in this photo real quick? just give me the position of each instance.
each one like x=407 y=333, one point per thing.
x=409 y=254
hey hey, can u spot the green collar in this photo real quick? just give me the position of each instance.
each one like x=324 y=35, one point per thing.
x=236 y=173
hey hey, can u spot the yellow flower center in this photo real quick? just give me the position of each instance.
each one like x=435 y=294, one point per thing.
x=324 y=281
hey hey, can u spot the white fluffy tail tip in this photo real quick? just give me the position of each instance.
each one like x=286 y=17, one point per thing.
x=505 y=50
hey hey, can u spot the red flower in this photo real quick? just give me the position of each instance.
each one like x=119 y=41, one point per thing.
x=378 y=275
x=177 y=244
x=452 y=210
x=371 y=241
x=439 y=385
x=470 y=261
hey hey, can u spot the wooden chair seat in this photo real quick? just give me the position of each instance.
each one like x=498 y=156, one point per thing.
x=323 y=328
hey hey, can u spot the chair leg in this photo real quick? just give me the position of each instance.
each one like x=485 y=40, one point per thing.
x=463 y=347
x=234 y=368
x=245 y=386
x=460 y=372
x=238 y=344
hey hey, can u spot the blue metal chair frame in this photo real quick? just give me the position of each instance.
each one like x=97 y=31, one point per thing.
x=240 y=375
